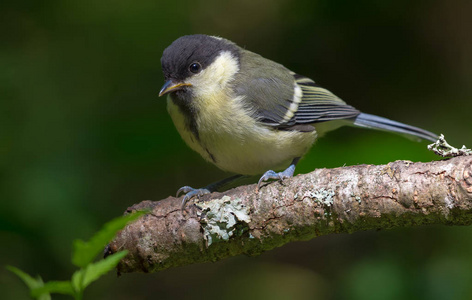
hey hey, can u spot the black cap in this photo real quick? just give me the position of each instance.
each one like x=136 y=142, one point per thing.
x=189 y=49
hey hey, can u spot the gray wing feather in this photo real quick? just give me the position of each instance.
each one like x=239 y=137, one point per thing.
x=267 y=86
x=320 y=105
x=269 y=90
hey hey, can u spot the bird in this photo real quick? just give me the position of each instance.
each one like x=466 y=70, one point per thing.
x=249 y=115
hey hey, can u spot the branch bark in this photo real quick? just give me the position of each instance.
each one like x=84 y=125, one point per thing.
x=325 y=201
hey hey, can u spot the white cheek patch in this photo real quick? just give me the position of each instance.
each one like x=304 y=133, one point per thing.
x=216 y=76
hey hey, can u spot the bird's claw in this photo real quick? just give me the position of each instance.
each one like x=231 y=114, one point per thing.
x=191 y=192
x=272 y=175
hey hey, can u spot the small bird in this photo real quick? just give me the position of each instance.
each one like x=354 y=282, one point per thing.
x=250 y=115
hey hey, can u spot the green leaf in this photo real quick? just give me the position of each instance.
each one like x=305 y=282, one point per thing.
x=58 y=287
x=44 y=297
x=85 y=252
x=76 y=280
x=31 y=283
x=82 y=278
x=96 y=270
x=27 y=279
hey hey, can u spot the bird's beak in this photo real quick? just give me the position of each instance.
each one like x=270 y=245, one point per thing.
x=171 y=86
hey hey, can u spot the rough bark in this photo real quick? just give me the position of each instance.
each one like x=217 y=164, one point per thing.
x=325 y=201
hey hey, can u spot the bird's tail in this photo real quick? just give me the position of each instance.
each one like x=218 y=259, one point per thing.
x=376 y=122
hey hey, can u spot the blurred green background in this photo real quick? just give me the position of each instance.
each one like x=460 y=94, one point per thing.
x=83 y=135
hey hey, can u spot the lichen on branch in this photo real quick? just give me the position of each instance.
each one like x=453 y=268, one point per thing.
x=442 y=148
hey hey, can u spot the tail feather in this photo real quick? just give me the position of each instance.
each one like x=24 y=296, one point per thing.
x=376 y=122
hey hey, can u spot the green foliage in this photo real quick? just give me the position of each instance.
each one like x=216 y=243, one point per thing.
x=85 y=252
x=82 y=256
x=60 y=287
x=31 y=283
x=82 y=278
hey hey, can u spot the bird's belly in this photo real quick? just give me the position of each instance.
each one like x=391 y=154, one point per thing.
x=237 y=143
x=256 y=152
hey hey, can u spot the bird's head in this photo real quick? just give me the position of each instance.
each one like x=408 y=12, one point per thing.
x=199 y=64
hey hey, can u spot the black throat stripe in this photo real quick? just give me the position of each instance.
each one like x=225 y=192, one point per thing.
x=183 y=102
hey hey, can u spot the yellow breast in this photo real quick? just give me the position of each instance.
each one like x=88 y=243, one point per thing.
x=235 y=142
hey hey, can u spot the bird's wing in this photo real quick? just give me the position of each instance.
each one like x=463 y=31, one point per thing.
x=267 y=88
x=280 y=98
x=319 y=105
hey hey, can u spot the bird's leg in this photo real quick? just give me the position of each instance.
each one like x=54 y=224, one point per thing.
x=288 y=173
x=191 y=192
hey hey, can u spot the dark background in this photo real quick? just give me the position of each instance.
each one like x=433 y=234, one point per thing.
x=83 y=135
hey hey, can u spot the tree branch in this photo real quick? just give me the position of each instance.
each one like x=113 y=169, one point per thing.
x=325 y=201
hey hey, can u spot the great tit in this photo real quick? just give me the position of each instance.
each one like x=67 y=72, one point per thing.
x=249 y=115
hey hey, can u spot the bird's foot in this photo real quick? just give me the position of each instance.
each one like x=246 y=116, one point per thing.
x=190 y=192
x=288 y=173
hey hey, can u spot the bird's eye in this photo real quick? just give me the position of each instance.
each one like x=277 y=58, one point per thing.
x=195 y=67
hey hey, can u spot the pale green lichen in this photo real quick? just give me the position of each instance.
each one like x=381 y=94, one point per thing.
x=323 y=196
x=358 y=199
x=223 y=218
x=442 y=148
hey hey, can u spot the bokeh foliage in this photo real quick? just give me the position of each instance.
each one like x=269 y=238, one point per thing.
x=83 y=135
